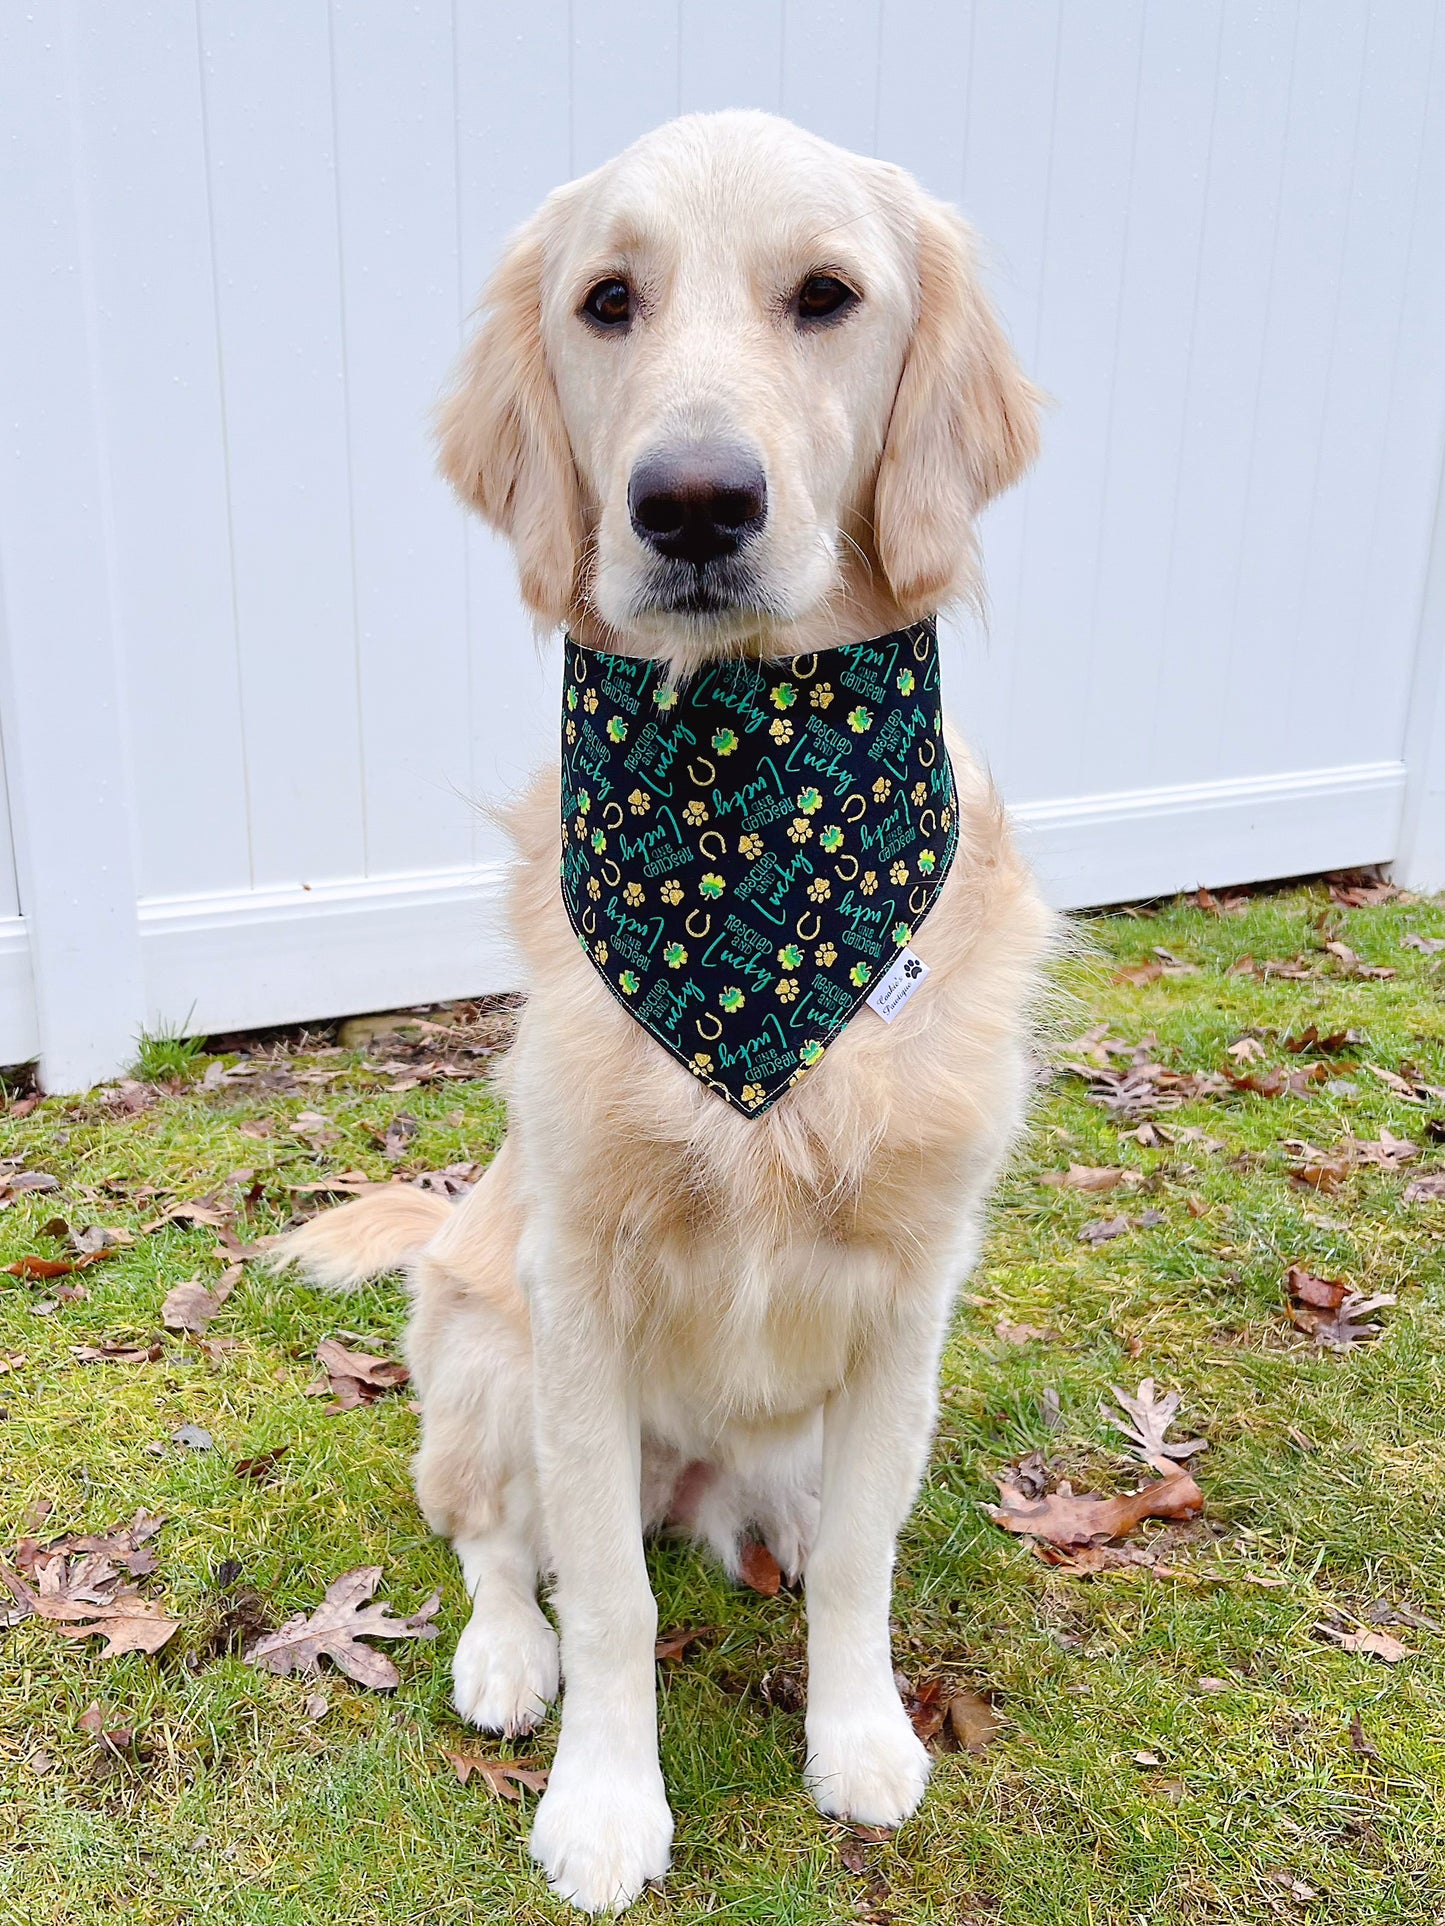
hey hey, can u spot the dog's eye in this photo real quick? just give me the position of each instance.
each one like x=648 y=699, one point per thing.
x=609 y=304
x=822 y=297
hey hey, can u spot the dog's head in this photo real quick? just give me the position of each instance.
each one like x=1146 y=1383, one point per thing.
x=738 y=383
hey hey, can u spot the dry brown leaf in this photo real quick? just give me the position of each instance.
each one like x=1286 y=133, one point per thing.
x=118 y=1351
x=1023 y=1333
x=48 y=1267
x=83 y=1595
x=354 y=1378
x=1245 y=1050
x=195 y=1212
x=1426 y=1188
x=758 y=1569
x=675 y=1645
x=1426 y=945
x=973 y=1721
x=333 y=1630
x=191 y=1306
x=1066 y=1518
x=1380 y=1645
x=1145 y=1422
x=1333 y=1314
x=503 y=1778
x=1088 y=1177
x=262 y=1465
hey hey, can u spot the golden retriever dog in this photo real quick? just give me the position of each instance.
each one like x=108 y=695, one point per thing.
x=653 y=1310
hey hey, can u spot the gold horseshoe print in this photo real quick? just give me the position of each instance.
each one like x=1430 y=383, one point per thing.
x=702 y=782
x=918 y=899
x=846 y=875
x=712 y=836
x=862 y=809
x=926 y=762
x=579 y=668
x=800 y=674
x=928 y=822
x=589 y=919
x=613 y=820
x=706 y=929
x=920 y=648
x=709 y=1036
x=615 y=878
x=809 y=916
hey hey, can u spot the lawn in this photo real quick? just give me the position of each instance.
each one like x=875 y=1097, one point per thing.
x=1178 y=1739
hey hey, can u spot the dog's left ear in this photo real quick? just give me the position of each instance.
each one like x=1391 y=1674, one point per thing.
x=964 y=424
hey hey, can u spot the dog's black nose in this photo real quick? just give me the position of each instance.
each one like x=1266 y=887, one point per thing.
x=697 y=504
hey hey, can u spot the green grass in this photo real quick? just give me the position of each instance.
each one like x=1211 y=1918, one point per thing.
x=167 y=1056
x=1322 y=1479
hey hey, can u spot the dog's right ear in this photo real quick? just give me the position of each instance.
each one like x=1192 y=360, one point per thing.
x=502 y=442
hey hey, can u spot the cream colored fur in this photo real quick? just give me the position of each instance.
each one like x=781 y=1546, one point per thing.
x=652 y=1307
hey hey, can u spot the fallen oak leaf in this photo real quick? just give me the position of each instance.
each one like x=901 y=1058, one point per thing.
x=1426 y=945
x=1146 y=1420
x=1064 y=1517
x=758 y=1569
x=333 y=1629
x=354 y=1378
x=190 y=1306
x=676 y=1645
x=973 y=1721
x=126 y=1621
x=194 y=1212
x=118 y=1351
x=1380 y=1645
x=115 y=1738
x=48 y=1267
x=1330 y=1312
x=503 y=1778
x=1090 y=1177
x=1425 y=1188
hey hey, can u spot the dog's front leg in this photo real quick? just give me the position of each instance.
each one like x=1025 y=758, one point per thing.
x=865 y=1762
x=603 y=1828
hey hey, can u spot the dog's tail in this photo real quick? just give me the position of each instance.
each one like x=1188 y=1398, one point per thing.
x=343 y=1248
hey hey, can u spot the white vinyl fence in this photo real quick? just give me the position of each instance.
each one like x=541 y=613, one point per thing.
x=256 y=667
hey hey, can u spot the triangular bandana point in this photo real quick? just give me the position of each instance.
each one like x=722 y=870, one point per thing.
x=744 y=857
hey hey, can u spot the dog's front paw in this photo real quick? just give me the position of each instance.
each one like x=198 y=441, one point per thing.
x=868 y=1767
x=602 y=1832
x=504 y=1674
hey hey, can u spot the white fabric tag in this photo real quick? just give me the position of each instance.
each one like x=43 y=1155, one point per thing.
x=897 y=984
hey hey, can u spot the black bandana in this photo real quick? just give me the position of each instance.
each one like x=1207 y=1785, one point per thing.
x=744 y=858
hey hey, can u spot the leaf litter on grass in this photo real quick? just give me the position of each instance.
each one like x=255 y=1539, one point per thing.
x=335 y=1631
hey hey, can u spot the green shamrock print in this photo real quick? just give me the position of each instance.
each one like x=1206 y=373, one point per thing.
x=778 y=955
